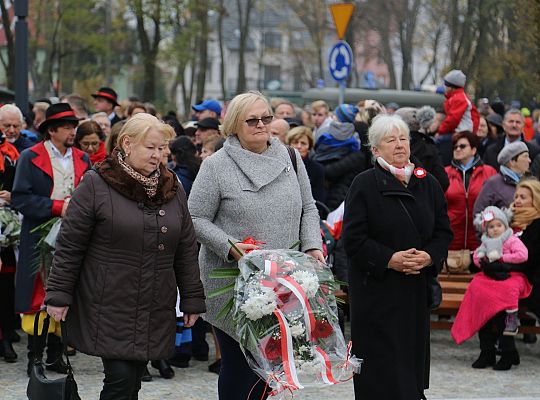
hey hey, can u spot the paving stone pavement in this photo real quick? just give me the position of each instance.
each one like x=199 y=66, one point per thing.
x=452 y=378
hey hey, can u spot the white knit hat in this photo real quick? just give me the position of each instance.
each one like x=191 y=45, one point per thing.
x=490 y=213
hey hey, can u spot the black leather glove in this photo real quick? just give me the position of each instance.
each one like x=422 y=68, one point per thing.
x=496 y=270
x=499 y=266
x=483 y=262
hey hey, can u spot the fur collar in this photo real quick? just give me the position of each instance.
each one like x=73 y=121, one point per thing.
x=112 y=172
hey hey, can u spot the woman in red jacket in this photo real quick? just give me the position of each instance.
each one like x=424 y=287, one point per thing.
x=467 y=175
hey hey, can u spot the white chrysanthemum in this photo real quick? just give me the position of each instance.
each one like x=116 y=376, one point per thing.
x=308 y=281
x=259 y=303
x=297 y=329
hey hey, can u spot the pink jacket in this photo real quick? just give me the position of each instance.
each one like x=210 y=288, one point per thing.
x=514 y=252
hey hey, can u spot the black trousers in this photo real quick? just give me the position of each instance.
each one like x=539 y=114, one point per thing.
x=7 y=303
x=236 y=378
x=492 y=331
x=199 y=345
x=122 y=379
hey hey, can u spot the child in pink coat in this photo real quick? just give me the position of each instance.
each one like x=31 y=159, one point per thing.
x=496 y=288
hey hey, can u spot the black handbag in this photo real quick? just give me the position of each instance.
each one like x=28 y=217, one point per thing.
x=39 y=386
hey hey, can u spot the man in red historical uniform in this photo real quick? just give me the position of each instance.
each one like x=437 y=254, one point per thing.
x=8 y=159
x=46 y=175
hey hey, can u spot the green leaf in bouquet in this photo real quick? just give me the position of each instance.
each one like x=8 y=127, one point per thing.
x=251 y=339
x=295 y=245
x=45 y=227
x=220 y=291
x=220 y=273
x=341 y=283
x=233 y=245
x=341 y=301
x=226 y=310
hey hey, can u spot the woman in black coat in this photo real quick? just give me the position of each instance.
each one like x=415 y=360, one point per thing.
x=395 y=231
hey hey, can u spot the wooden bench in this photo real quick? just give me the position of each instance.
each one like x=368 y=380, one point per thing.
x=453 y=290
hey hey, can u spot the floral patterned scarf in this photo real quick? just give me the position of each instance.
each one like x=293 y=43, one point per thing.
x=149 y=183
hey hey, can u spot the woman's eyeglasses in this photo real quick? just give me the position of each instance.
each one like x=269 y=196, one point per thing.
x=255 y=121
x=460 y=146
x=88 y=144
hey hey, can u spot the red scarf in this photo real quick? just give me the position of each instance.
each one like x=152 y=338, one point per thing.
x=99 y=155
x=7 y=149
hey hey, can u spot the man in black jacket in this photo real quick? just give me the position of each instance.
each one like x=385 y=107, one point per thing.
x=512 y=124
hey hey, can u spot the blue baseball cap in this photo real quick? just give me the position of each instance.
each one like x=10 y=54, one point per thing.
x=212 y=105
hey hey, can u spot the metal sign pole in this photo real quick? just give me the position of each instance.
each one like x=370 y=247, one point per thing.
x=21 y=55
x=341 y=55
x=342 y=92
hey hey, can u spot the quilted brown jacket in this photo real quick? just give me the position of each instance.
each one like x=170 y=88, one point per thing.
x=119 y=259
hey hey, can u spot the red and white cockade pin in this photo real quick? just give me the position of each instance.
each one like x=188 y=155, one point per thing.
x=420 y=173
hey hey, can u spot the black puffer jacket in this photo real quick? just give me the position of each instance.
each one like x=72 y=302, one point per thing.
x=339 y=175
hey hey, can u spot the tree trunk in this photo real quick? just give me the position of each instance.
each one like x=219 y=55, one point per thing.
x=243 y=22
x=406 y=35
x=222 y=13
x=202 y=16
x=9 y=65
x=149 y=51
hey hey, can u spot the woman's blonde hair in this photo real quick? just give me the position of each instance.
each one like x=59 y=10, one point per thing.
x=534 y=186
x=137 y=127
x=297 y=133
x=237 y=109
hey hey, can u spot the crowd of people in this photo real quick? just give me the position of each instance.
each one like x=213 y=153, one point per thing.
x=149 y=204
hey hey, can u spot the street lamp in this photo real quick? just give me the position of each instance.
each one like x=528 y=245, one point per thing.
x=21 y=55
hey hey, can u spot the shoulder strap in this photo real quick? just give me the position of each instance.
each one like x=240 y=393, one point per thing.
x=292 y=155
x=39 y=340
x=410 y=219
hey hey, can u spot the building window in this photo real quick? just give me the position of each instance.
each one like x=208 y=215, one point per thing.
x=209 y=71
x=272 y=41
x=272 y=75
x=298 y=81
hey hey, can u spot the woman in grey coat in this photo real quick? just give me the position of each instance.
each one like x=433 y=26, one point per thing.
x=248 y=189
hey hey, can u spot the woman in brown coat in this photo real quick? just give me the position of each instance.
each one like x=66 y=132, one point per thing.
x=126 y=243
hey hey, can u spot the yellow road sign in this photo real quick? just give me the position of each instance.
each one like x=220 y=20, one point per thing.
x=341 y=12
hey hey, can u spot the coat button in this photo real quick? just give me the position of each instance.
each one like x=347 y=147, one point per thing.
x=161 y=247
x=164 y=229
x=161 y=213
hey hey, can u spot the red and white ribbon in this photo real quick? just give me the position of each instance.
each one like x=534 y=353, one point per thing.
x=287 y=354
x=299 y=293
x=270 y=268
x=326 y=369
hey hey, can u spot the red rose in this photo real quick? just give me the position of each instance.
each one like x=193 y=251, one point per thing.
x=322 y=329
x=271 y=348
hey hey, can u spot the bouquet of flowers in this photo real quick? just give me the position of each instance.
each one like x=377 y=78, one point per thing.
x=10 y=227
x=286 y=318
